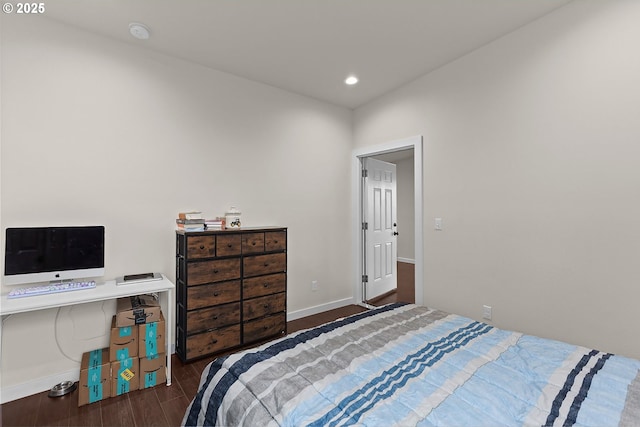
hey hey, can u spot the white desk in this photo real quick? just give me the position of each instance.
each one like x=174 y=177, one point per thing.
x=103 y=291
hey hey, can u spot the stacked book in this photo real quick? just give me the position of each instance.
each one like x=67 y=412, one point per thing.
x=215 y=224
x=190 y=221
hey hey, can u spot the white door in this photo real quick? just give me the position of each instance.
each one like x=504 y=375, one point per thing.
x=380 y=230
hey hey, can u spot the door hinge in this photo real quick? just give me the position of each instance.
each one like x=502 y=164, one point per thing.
x=365 y=173
x=365 y=278
x=365 y=225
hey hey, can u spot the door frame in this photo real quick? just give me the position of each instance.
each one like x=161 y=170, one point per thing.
x=414 y=143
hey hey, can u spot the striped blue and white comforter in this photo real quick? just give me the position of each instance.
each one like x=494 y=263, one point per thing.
x=409 y=365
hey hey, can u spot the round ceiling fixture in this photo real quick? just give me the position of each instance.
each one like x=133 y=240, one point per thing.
x=351 y=80
x=139 y=31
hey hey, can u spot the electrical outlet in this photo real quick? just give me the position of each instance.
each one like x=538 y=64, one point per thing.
x=486 y=312
x=314 y=285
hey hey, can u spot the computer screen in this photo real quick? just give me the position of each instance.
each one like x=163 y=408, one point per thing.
x=41 y=254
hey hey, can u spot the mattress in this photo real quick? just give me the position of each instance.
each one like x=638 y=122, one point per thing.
x=405 y=365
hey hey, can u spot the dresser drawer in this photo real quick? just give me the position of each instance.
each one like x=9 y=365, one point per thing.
x=265 y=327
x=213 y=271
x=213 y=317
x=201 y=247
x=275 y=241
x=213 y=294
x=261 y=306
x=228 y=245
x=212 y=341
x=265 y=264
x=264 y=285
x=252 y=243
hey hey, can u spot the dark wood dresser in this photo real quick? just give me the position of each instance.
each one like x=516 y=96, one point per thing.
x=231 y=289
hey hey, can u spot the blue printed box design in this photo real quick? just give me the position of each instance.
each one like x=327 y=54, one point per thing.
x=94 y=382
x=152 y=339
x=123 y=343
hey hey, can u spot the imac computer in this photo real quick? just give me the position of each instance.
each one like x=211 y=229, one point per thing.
x=53 y=254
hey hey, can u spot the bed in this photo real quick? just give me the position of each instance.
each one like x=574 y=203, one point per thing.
x=405 y=365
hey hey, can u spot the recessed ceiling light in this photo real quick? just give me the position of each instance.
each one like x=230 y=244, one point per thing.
x=139 y=31
x=351 y=80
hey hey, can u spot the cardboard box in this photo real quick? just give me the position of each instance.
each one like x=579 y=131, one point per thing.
x=153 y=371
x=95 y=376
x=137 y=310
x=123 y=342
x=125 y=376
x=152 y=338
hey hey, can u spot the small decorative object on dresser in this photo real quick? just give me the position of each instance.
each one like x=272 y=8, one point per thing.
x=231 y=289
x=233 y=218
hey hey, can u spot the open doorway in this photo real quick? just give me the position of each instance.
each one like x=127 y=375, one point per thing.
x=389 y=240
x=374 y=262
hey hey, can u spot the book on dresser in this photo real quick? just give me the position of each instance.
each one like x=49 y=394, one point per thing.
x=190 y=224
x=190 y=221
x=231 y=288
x=190 y=227
x=190 y=215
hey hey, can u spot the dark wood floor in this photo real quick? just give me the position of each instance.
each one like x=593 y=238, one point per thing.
x=161 y=405
x=405 y=292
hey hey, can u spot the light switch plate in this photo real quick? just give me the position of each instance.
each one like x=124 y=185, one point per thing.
x=486 y=312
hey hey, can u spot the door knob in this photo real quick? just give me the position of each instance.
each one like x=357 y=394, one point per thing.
x=395 y=233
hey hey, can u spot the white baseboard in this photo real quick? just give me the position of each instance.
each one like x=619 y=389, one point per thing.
x=38 y=385
x=407 y=260
x=298 y=314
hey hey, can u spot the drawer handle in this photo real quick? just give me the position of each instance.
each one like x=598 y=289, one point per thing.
x=266 y=285
x=265 y=327
x=215 y=317
x=229 y=245
x=254 y=243
x=266 y=264
x=266 y=306
x=214 y=341
x=216 y=294
x=215 y=270
x=201 y=246
x=275 y=241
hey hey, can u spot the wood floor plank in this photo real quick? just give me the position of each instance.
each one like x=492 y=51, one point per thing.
x=199 y=365
x=181 y=370
x=86 y=415
x=55 y=411
x=174 y=410
x=190 y=387
x=146 y=408
x=406 y=282
x=320 y=318
x=171 y=392
x=116 y=411
x=21 y=412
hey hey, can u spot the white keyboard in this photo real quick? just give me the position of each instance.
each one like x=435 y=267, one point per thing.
x=53 y=288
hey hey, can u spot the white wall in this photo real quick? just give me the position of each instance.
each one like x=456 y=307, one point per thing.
x=100 y=132
x=531 y=158
x=406 y=209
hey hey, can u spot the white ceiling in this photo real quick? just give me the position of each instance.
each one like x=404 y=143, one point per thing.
x=310 y=46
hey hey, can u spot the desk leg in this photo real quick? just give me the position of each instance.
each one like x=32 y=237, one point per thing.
x=171 y=305
x=1 y=359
